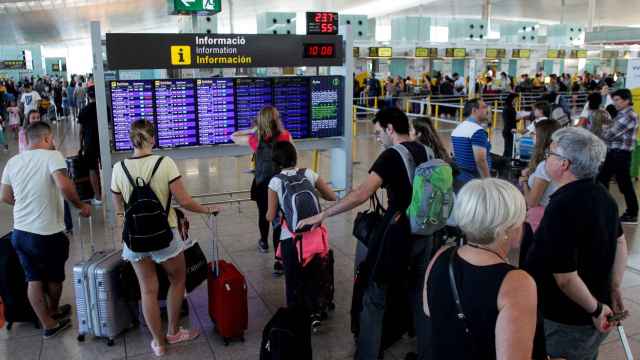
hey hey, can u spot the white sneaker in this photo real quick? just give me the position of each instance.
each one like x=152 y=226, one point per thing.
x=96 y=202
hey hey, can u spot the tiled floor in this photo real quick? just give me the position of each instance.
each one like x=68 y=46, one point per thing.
x=237 y=238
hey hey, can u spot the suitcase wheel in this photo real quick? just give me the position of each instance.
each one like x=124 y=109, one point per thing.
x=9 y=325
x=80 y=338
x=226 y=341
x=110 y=342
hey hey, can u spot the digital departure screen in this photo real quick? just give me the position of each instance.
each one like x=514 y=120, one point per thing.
x=326 y=106
x=291 y=98
x=207 y=111
x=175 y=113
x=130 y=101
x=251 y=96
x=216 y=110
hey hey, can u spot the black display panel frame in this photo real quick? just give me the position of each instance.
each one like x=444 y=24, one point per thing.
x=331 y=87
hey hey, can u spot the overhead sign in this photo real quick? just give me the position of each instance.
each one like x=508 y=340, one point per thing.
x=578 y=54
x=520 y=53
x=203 y=7
x=422 y=52
x=495 y=53
x=356 y=52
x=552 y=54
x=456 y=52
x=384 y=52
x=13 y=65
x=55 y=67
x=610 y=54
x=221 y=50
x=322 y=23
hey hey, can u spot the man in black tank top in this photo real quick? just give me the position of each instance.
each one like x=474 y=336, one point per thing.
x=392 y=254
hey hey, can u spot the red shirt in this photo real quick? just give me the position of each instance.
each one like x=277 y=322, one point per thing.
x=253 y=139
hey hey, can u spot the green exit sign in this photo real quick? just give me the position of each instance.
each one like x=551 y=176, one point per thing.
x=204 y=7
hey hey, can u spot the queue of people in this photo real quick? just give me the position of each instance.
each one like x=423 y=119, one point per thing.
x=465 y=302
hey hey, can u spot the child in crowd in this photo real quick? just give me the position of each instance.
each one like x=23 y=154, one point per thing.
x=14 y=118
x=285 y=160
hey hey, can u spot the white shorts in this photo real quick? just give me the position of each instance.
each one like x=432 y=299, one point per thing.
x=176 y=246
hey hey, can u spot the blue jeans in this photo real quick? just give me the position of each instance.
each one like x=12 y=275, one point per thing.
x=572 y=342
x=375 y=298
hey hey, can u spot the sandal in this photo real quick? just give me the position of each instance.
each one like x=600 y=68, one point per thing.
x=182 y=335
x=158 y=350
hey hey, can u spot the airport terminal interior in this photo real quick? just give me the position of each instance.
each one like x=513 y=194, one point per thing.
x=200 y=71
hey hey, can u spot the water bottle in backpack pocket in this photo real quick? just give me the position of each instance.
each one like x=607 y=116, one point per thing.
x=146 y=220
x=432 y=195
x=299 y=199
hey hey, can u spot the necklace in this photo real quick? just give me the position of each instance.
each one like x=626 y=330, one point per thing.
x=488 y=250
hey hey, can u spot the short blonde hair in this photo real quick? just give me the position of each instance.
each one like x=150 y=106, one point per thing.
x=142 y=133
x=485 y=209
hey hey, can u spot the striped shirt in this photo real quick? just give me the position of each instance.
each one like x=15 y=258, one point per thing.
x=465 y=136
x=621 y=135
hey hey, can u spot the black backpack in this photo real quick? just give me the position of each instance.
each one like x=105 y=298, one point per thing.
x=299 y=199
x=146 y=220
x=287 y=336
x=264 y=161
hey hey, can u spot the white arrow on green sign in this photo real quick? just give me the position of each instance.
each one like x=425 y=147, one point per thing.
x=195 y=6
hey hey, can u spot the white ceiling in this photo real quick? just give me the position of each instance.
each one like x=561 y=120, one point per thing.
x=54 y=22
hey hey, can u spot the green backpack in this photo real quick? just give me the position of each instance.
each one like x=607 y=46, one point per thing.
x=432 y=198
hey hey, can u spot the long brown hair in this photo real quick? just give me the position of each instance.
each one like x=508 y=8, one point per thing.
x=427 y=135
x=544 y=130
x=268 y=123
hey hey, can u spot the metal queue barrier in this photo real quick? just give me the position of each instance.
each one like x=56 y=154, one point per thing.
x=249 y=55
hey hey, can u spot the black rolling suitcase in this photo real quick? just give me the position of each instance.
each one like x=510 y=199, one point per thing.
x=79 y=173
x=13 y=286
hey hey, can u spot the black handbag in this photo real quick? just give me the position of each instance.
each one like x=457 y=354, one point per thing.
x=365 y=224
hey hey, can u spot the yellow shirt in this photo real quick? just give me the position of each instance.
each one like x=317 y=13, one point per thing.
x=142 y=167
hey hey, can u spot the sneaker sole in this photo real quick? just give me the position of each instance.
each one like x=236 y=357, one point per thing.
x=68 y=325
x=629 y=222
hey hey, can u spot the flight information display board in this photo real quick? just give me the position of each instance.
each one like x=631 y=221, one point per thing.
x=188 y=112
x=216 y=110
x=175 y=113
x=327 y=102
x=291 y=98
x=251 y=96
x=130 y=101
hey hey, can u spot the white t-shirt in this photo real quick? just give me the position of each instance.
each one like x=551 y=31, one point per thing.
x=38 y=205
x=276 y=185
x=541 y=173
x=30 y=101
x=143 y=167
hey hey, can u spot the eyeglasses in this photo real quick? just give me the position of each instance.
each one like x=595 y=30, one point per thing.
x=550 y=153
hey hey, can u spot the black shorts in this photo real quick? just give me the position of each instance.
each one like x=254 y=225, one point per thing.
x=42 y=256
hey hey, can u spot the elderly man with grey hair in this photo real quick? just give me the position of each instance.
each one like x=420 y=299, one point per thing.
x=579 y=253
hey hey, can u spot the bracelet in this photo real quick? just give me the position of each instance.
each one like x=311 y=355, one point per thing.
x=598 y=311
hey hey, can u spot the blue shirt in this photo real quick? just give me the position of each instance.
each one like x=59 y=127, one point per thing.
x=463 y=138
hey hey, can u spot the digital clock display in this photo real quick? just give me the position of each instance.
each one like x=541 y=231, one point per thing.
x=319 y=51
x=322 y=23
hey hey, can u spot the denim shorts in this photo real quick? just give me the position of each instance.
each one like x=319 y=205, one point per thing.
x=571 y=341
x=176 y=246
x=42 y=256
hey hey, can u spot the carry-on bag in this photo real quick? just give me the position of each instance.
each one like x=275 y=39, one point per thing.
x=13 y=287
x=79 y=173
x=227 y=289
x=319 y=274
x=287 y=336
x=102 y=310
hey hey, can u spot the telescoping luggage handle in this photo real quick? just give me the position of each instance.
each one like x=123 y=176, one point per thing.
x=625 y=343
x=215 y=250
x=91 y=237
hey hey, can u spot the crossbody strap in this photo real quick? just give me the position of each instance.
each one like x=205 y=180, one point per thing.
x=456 y=295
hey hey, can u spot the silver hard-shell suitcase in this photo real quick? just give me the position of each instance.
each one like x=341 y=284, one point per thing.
x=101 y=310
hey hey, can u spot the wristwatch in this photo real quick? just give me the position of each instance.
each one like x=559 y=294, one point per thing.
x=598 y=311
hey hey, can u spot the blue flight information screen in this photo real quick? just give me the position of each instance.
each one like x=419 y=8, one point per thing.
x=251 y=96
x=175 y=113
x=216 y=110
x=291 y=98
x=130 y=101
x=327 y=106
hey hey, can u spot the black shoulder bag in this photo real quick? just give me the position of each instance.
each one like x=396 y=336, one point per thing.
x=365 y=223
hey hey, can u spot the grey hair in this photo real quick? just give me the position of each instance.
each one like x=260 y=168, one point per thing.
x=485 y=209
x=584 y=150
